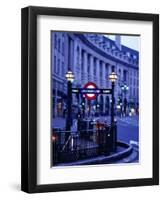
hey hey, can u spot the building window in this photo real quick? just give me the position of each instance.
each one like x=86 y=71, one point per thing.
x=58 y=67
x=55 y=65
x=128 y=54
x=62 y=70
x=63 y=36
x=82 y=62
x=101 y=73
x=77 y=58
x=124 y=75
x=107 y=71
x=63 y=48
x=59 y=44
x=94 y=67
x=55 y=41
x=135 y=57
x=113 y=47
x=113 y=68
x=119 y=72
x=134 y=92
x=100 y=69
x=88 y=70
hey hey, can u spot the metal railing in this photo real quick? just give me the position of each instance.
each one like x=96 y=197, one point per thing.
x=69 y=146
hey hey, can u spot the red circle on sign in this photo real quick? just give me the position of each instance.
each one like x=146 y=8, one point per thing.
x=90 y=85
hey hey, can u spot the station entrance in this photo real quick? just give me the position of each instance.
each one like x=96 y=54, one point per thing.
x=86 y=138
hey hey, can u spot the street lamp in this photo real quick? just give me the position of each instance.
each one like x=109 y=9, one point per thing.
x=70 y=78
x=113 y=78
x=125 y=88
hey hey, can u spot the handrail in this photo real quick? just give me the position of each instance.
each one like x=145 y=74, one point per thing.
x=66 y=143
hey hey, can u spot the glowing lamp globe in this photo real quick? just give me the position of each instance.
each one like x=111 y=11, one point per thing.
x=113 y=77
x=70 y=76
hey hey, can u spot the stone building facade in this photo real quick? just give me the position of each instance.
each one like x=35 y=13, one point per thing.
x=92 y=57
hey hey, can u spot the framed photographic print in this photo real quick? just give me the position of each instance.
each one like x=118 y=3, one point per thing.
x=90 y=99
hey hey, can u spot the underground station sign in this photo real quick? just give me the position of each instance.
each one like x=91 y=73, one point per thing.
x=91 y=91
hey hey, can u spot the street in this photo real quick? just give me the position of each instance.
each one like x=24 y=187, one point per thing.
x=128 y=129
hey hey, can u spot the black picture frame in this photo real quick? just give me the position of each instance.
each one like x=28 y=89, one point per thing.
x=29 y=99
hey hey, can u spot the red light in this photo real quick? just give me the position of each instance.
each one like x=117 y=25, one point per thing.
x=54 y=138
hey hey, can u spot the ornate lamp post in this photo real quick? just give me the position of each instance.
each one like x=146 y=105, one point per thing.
x=70 y=78
x=125 y=88
x=113 y=78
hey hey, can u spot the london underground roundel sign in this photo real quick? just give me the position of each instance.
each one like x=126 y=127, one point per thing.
x=90 y=85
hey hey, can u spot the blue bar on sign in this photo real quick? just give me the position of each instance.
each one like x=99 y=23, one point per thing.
x=90 y=91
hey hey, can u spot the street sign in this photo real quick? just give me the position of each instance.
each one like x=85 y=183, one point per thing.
x=89 y=90
x=106 y=91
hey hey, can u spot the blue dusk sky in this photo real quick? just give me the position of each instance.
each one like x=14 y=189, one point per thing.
x=129 y=41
